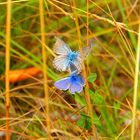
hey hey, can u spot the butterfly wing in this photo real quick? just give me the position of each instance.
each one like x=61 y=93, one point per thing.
x=60 y=47
x=73 y=68
x=78 y=63
x=81 y=80
x=75 y=87
x=61 y=63
x=85 y=51
x=63 y=84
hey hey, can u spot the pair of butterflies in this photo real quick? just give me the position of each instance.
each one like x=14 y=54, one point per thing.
x=67 y=59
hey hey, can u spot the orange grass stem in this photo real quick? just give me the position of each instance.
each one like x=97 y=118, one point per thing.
x=89 y=106
x=42 y=27
x=87 y=86
x=7 y=59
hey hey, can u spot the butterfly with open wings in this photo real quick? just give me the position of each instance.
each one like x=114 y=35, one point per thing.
x=75 y=82
x=65 y=56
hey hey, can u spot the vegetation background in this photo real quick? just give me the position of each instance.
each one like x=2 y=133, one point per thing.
x=107 y=108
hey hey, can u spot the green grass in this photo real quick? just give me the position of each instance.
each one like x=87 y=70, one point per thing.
x=113 y=26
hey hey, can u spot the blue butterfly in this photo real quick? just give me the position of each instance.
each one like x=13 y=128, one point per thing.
x=75 y=82
x=65 y=56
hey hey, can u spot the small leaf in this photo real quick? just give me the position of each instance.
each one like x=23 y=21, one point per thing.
x=81 y=122
x=92 y=77
x=85 y=121
x=96 y=97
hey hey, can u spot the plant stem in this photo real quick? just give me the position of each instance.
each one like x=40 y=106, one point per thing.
x=7 y=68
x=89 y=106
x=42 y=27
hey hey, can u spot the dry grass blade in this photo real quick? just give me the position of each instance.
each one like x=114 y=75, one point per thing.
x=135 y=87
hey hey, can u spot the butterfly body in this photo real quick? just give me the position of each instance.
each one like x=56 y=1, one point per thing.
x=77 y=78
x=72 y=56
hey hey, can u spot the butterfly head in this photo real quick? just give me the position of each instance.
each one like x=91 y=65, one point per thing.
x=72 y=56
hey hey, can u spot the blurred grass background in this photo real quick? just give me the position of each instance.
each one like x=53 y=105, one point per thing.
x=113 y=25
